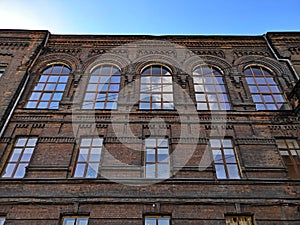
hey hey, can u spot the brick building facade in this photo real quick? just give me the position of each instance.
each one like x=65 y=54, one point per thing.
x=152 y=130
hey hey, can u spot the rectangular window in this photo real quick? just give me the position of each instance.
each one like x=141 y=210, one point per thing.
x=157 y=163
x=224 y=159
x=89 y=157
x=75 y=220
x=290 y=152
x=2 y=220
x=20 y=157
x=239 y=220
x=2 y=70
x=157 y=220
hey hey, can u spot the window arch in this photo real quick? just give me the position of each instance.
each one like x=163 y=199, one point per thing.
x=265 y=92
x=103 y=87
x=210 y=90
x=156 y=89
x=49 y=90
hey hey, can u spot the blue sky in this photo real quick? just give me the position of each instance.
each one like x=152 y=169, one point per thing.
x=247 y=17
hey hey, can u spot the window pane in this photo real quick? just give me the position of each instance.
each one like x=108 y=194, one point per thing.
x=79 y=172
x=150 y=155
x=43 y=78
x=227 y=143
x=233 y=171
x=32 y=141
x=56 y=69
x=60 y=87
x=31 y=105
x=250 y=80
x=229 y=156
x=27 y=155
x=86 y=142
x=163 y=171
x=98 y=105
x=215 y=143
x=150 y=221
x=257 y=98
x=220 y=171
x=162 y=142
x=82 y=221
x=9 y=170
x=83 y=155
x=21 y=142
x=163 y=221
x=97 y=141
x=202 y=106
x=150 y=142
x=20 y=172
x=69 y=221
x=95 y=154
x=163 y=155
x=92 y=170
x=150 y=171
x=35 y=96
x=63 y=79
x=53 y=79
x=218 y=158
x=144 y=105
x=16 y=155
x=53 y=105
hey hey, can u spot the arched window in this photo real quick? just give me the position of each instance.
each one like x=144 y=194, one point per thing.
x=102 y=91
x=49 y=90
x=210 y=90
x=156 y=88
x=265 y=92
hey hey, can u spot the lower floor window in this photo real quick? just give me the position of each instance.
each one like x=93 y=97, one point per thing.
x=239 y=220
x=89 y=157
x=2 y=220
x=290 y=152
x=224 y=158
x=157 y=220
x=157 y=162
x=75 y=221
x=20 y=157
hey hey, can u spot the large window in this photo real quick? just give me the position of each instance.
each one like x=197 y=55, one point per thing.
x=157 y=162
x=224 y=159
x=20 y=157
x=265 y=92
x=290 y=152
x=210 y=90
x=49 y=90
x=156 y=89
x=89 y=157
x=103 y=88
x=239 y=220
x=75 y=221
x=157 y=220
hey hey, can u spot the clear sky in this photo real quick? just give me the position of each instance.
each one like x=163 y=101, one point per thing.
x=248 y=17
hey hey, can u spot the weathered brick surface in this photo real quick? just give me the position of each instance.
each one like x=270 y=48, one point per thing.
x=120 y=195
